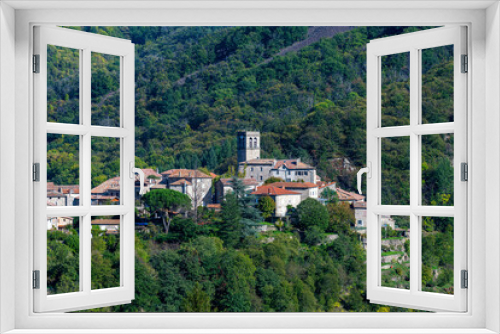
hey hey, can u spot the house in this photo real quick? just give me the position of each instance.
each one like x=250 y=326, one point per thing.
x=110 y=226
x=326 y=185
x=360 y=217
x=62 y=195
x=253 y=167
x=306 y=189
x=152 y=180
x=224 y=186
x=58 y=223
x=194 y=183
x=346 y=196
x=282 y=198
x=106 y=193
x=292 y=170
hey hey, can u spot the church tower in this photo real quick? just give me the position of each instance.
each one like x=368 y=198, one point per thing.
x=248 y=145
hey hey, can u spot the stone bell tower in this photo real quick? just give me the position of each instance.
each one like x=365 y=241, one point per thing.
x=248 y=145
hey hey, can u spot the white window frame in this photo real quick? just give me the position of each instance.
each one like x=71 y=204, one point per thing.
x=484 y=104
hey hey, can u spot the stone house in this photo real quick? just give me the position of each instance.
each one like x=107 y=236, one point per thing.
x=257 y=169
x=59 y=223
x=224 y=186
x=253 y=167
x=282 y=197
x=359 y=213
x=62 y=195
x=197 y=185
x=292 y=170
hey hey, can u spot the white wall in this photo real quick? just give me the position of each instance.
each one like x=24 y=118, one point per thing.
x=7 y=171
x=283 y=201
x=492 y=164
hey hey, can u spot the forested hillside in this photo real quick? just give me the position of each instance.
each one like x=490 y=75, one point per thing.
x=195 y=87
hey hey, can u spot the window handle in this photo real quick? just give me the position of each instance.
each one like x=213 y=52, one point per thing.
x=368 y=171
x=139 y=171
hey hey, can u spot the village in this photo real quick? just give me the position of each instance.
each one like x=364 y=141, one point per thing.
x=293 y=181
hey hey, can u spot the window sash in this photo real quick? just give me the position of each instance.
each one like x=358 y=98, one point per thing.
x=87 y=43
x=413 y=43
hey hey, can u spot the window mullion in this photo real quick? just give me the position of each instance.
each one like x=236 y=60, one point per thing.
x=86 y=164
x=415 y=162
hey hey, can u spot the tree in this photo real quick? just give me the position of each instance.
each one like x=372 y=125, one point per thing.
x=231 y=217
x=341 y=217
x=196 y=300
x=313 y=235
x=330 y=195
x=250 y=215
x=165 y=200
x=267 y=206
x=312 y=213
x=273 y=179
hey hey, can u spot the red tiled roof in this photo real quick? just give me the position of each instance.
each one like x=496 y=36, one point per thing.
x=292 y=164
x=105 y=222
x=213 y=175
x=323 y=184
x=213 y=206
x=64 y=189
x=180 y=182
x=295 y=185
x=113 y=182
x=185 y=173
x=273 y=191
x=54 y=194
x=149 y=172
x=348 y=196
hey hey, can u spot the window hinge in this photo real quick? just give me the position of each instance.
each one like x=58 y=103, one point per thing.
x=36 y=63
x=465 y=63
x=465 y=279
x=464 y=171
x=36 y=279
x=36 y=172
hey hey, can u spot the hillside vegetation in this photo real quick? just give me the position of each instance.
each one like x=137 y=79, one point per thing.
x=195 y=87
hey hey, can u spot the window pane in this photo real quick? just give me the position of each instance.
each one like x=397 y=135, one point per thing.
x=105 y=89
x=105 y=252
x=437 y=84
x=105 y=171
x=395 y=171
x=63 y=255
x=396 y=89
x=437 y=169
x=63 y=171
x=63 y=85
x=437 y=254
x=395 y=251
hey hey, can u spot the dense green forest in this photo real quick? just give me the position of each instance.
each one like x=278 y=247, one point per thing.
x=195 y=87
